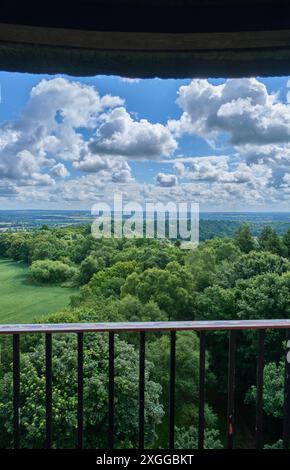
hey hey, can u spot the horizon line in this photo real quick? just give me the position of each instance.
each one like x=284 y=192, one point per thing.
x=201 y=211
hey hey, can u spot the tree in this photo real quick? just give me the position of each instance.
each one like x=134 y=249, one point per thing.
x=108 y=282
x=19 y=247
x=172 y=289
x=273 y=390
x=286 y=241
x=65 y=395
x=264 y=296
x=188 y=438
x=201 y=263
x=250 y=265
x=244 y=239
x=47 y=245
x=270 y=241
x=48 y=271
x=132 y=309
x=187 y=378
x=226 y=250
x=216 y=303
x=88 y=267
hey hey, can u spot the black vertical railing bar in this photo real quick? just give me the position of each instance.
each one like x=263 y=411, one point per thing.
x=48 y=389
x=172 y=389
x=286 y=414
x=141 y=389
x=16 y=391
x=231 y=389
x=201 y=421
x=111 y=389
x=260 y=385
x=80 y=412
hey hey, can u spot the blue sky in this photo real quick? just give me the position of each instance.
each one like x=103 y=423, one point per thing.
x=69 y=142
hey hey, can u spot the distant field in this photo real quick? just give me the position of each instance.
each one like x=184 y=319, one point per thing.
x=21 y=301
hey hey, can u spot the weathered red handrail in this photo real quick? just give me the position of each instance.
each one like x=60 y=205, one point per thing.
x=144 y=326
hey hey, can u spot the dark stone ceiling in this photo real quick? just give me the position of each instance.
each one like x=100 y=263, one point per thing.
x=147 y=38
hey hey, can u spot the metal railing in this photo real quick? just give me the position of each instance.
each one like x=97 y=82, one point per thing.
x=142 y=327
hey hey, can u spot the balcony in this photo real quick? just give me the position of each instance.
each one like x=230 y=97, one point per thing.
x=142 y=329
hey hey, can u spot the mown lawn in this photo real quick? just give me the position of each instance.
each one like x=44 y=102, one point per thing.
x=21 y=301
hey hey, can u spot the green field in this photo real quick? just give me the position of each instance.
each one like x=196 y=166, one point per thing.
x=21 y=301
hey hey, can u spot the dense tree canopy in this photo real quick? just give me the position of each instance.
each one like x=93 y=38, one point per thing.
x=243 y=277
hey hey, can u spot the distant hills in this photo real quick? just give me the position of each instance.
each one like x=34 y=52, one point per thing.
x=212 y=224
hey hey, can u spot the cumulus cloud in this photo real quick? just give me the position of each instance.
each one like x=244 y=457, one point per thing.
x=119 y=134
x=166 y=180
x=114 y=168
x=241 y=108
x=93 y=163
x=122 y=176
x=223 y=170
x=246 y=118
x=48 y=129
x=179 y=167
x=60 y=170
x=272 y=154
x=71 y=144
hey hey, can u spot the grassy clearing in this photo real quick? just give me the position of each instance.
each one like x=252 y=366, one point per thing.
x=21 y=301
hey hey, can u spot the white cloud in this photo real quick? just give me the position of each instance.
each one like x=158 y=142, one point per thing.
x=241 y=108
x=123 y=174
x=166 y=180
x=66 y=120
x=8 y=190
x=77 y=103
x=60 y=170
x=179 y=168
x=129 y=80
x=119 y=134
x=67 y=124
x=38 y=179
x=48 y=129
x=222 y=170
x=94 y=163
x=111 y=168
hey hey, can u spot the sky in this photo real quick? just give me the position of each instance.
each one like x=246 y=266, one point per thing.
x=67 y=143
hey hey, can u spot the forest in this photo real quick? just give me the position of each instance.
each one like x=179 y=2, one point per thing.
x=235 y=277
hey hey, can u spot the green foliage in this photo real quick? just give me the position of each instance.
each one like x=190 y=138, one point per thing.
x=286 y=241
x=264 y=296
x=19 y=248
x=132 y=309
x=202 y=265
x=187 y=374
x=48 y=247
x=65 y=395
x=148 y=280
x=250 y=265
x=109 y=282
x=51 y=272
x=88 y=267
x=276 y=445
x=273 y=390
x=187 y=438
x=270 y=241
x=216 y=302
x=244 y=239
x=170 y=288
